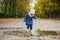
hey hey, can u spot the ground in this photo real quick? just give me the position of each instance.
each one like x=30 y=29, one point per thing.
x=15 y=29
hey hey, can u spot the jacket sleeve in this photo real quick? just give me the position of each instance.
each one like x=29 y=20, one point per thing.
x=34 y=17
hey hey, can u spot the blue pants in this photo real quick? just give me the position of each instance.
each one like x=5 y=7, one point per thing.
x=29 y=26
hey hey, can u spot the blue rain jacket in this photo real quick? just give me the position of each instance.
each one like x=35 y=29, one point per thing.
x=28 y=19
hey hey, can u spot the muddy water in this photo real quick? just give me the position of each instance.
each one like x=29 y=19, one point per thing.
x=41 y=24
x=9 y=35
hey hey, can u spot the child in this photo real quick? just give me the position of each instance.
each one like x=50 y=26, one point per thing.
x=28 y=19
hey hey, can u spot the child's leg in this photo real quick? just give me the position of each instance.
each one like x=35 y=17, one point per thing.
x=28 y=27
x=31 y=27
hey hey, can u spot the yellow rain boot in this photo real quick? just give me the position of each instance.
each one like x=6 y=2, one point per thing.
x=30 y=31
x=27 y=30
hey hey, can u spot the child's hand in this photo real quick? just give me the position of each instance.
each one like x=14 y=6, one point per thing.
x=35 y=18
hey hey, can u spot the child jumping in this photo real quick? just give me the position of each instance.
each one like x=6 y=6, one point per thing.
x=29 y=20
